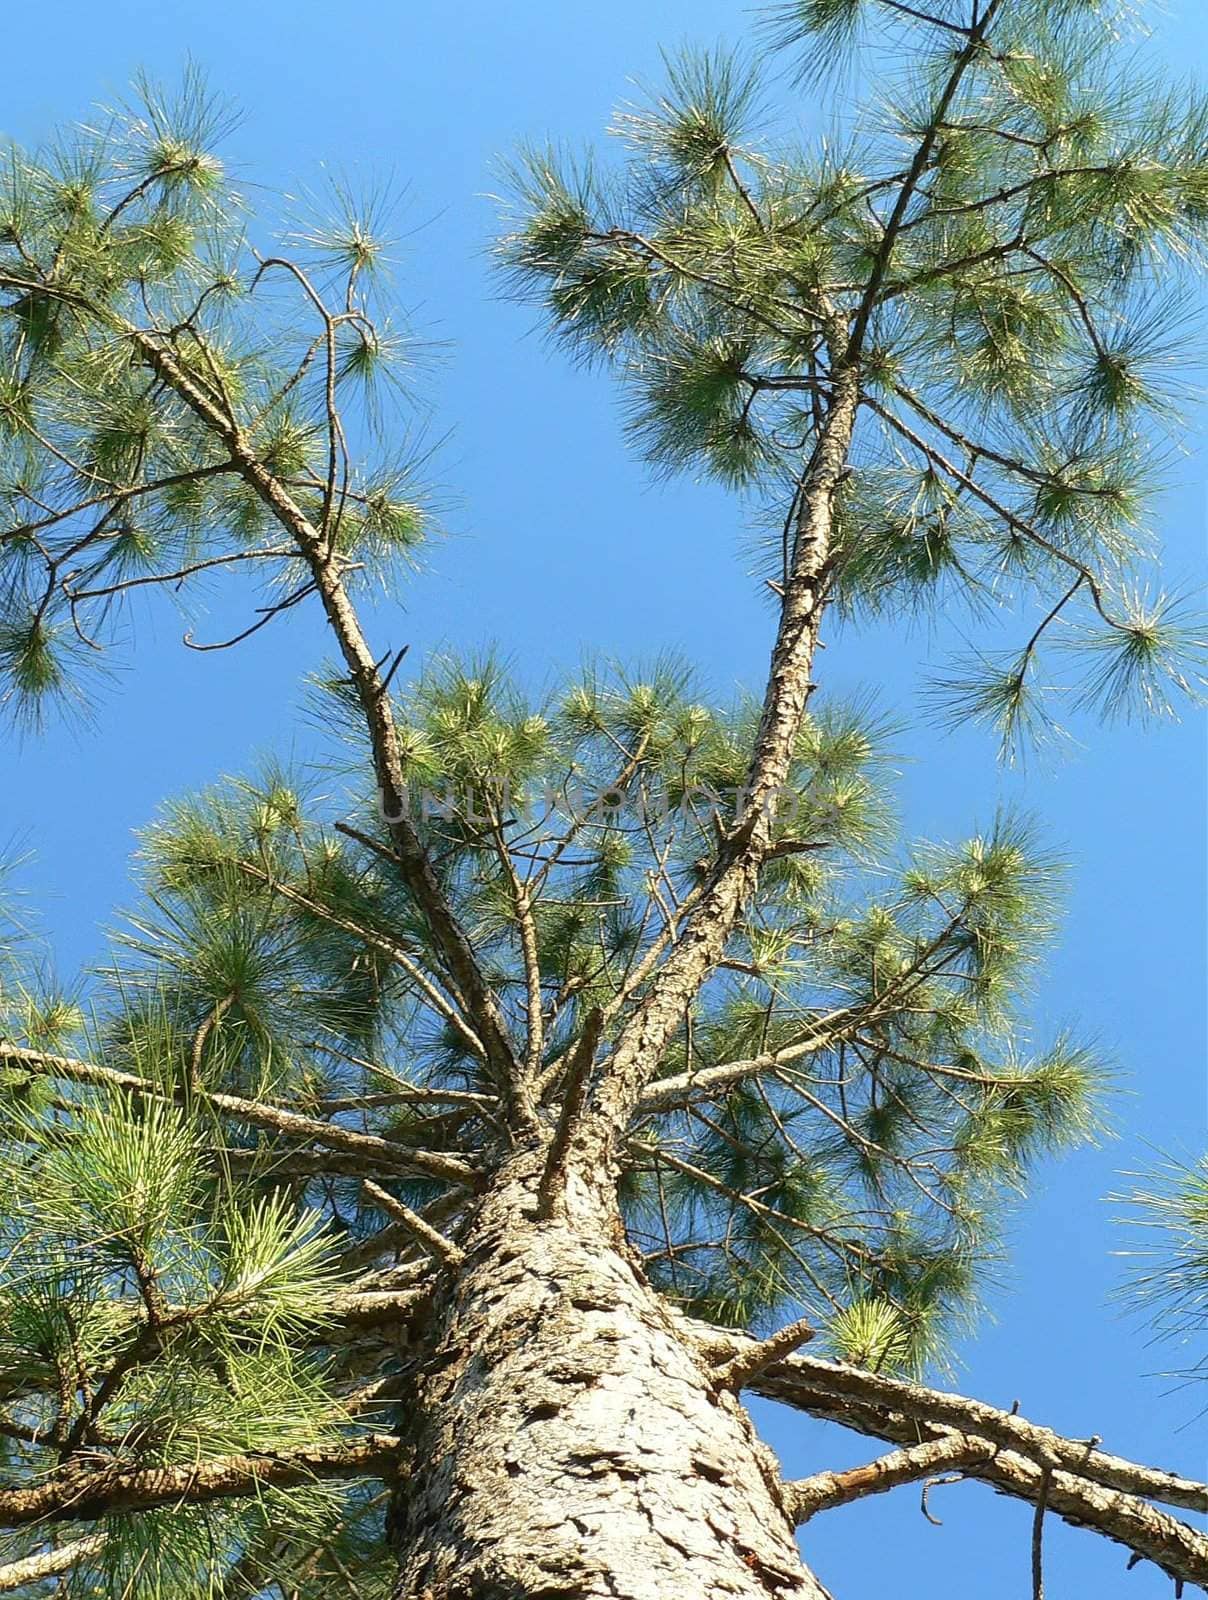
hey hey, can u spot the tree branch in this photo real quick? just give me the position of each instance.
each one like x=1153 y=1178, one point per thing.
x=1080 y=1483
x=754 y=1358
x=824 y=1490
x=673 y=1093
x=914 y=174
x=805 y=1374
x=75 y=1496
x=388 y=760
x=229 y=559
x=50 y=1563
x=434 y=1242
x=1009 y=517
x=253 y=1112
x=703 y=934
x=578 y=1074
x=372 y=940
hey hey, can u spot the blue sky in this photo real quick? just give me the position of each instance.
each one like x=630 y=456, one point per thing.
x=559 y=542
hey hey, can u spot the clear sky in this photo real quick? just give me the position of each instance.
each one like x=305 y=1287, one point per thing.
x=560 y=543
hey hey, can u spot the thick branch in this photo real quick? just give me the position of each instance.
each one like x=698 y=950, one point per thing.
x=376 y=1308
x=802 y=1375
x=703 y=934
x=74 y=1496
x=526 y=928
x=553 y=1175
x=1082 y=1484
x=824 y=1490
x=50 y=1563
x=252 y=1112
x=742 y=1369
x=669 y=1094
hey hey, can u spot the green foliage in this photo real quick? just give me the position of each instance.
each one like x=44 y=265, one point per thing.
x=1019 y=343
x=161 y=1309
x=876 y=1158
x=1167 y=1220
x=107 y=486
x=1157 y=650
x=34 y=659
x=690 y=129
x=872 y=1333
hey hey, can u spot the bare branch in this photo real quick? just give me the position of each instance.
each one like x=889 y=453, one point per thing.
x=231 y=558
x=738 y=1371
x=1012 y=1432
x=824 y=1490
x=113 y=496
x=1079 y=1482
x=433 y=1241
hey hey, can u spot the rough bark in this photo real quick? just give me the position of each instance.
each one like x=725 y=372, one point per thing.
x=569 y=1442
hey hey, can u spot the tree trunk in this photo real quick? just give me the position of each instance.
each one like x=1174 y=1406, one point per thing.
x=569 y=1442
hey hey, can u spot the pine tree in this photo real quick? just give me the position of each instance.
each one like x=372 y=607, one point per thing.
x=450 y=1145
